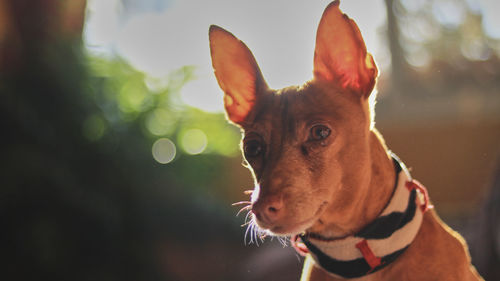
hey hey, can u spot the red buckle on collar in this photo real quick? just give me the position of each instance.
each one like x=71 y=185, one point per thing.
x=370 y=258
x=300 y=247
x=414 y=184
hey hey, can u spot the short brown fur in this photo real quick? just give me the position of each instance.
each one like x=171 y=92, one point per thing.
x=319 y=164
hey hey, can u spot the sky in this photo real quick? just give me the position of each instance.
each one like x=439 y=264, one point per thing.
x=160 y=36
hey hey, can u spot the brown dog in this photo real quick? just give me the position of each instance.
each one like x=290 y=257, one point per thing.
x=324 y=175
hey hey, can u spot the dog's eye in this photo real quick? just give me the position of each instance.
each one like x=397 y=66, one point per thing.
x=252 y=148
x=320 y=132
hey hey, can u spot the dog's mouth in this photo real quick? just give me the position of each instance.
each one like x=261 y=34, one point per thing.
x=293 y=228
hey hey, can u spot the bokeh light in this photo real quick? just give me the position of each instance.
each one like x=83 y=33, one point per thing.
x=94 y=127
x=194 y=141
x=160 y=122
x=132 y=96
x=164 y=151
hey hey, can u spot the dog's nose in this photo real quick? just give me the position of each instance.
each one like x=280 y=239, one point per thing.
x=268 y=211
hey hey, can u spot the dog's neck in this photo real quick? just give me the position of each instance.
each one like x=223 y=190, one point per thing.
x=382 y=181
x=379 y=242
x=372 y=197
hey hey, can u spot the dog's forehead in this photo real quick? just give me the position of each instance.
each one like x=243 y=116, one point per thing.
x=288 y=108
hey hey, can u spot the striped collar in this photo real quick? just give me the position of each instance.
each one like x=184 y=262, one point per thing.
x=380 y=242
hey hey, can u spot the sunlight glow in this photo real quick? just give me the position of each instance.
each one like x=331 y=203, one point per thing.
x=491 y=20
x=281 y=35
x=449 y=13
x=102 y=24
x=203 y=93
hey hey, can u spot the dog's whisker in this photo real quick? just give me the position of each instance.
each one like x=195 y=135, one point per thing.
x=248 y=192
x=246 y=223
x=247 y=216
x=250 y=231
x=283 y=241
x=243 y=209
x=255 y=236
x=262 y=234
x=241 y=203
x=261 y=237
x=249 y=226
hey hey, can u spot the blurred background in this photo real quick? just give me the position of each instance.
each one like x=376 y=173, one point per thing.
x=117 y=161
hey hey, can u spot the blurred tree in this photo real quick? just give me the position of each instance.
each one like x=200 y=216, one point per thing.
x=399 y=66
x=440 y=42
x=81 y=196
x=444 y=89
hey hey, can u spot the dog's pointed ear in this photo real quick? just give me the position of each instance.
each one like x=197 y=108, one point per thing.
x=237 y=73
x=340 y=54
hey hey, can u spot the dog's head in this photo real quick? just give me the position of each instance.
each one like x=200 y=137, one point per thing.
x=305 y=145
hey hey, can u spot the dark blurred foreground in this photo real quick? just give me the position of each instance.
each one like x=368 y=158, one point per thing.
x=82 y=198
x=73 y=208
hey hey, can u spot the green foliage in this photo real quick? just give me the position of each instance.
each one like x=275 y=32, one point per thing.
x=128 y=97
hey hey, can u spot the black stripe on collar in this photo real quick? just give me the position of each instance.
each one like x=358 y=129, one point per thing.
x=349 y=269
x=384 y=226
